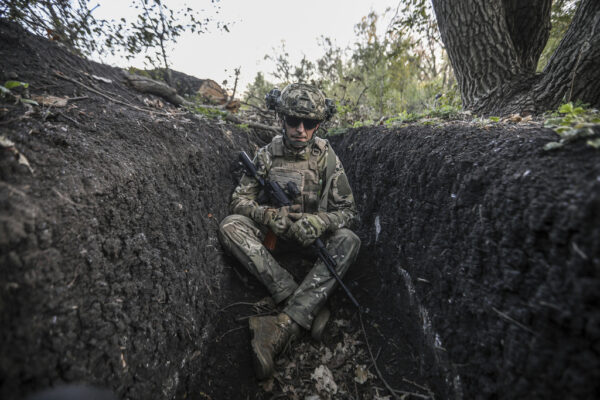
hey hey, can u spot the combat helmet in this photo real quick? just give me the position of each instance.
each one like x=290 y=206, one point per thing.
x=301 y=100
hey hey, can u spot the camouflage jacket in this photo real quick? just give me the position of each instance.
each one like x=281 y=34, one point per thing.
x=306 y=168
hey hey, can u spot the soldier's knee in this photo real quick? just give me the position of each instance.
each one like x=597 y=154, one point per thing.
x=350 y=239
x=234 y=225
x=226 y=225
x=229 y=225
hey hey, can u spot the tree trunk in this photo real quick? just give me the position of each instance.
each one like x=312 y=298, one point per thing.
x=573 y=72
x=494 y=46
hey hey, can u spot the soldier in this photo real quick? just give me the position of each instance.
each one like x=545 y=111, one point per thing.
x=324 y=207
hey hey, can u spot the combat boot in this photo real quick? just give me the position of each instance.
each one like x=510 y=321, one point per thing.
x=318 y=325
x=269 y=336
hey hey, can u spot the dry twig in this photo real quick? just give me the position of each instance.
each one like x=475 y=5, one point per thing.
x=514 y=321
x=228 y=332
x=387 y=385
x=91 y=89
x=238 y=303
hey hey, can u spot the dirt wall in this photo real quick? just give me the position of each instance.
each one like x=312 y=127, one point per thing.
x=111 y=268
x=110 y=264
x=498 y=243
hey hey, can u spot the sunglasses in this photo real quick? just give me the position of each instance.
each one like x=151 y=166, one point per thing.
x=293 y=122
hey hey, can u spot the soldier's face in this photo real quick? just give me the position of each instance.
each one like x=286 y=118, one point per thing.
x=300 y=133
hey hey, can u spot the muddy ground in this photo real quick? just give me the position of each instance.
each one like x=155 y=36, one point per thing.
x=479 y=264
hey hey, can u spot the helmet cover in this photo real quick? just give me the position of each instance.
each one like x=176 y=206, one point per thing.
x=303 y=101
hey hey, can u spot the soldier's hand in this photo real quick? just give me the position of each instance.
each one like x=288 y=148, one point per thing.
x=278 y=220
x=307 y=229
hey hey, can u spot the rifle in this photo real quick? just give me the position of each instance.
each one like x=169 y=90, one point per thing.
x=274 y=190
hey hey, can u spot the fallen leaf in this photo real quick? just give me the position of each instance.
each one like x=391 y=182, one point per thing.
x=326 y=356
x=342 y=323
x=153 y=103
x=361 y=374
x=47 y=100
x=10 y=146
x=515 y=118
x=324 y=380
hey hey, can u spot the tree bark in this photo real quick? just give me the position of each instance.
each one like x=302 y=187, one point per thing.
x=494 y=47
x=573 y=72
x=529 y=28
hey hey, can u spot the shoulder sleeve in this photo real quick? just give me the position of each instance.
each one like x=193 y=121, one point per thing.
x=341 y=208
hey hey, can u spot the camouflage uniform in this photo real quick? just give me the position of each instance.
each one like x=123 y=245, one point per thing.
x=243 y=237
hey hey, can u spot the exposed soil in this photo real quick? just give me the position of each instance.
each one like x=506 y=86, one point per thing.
x=479 y=266
x=501 y=243
x=111 y=267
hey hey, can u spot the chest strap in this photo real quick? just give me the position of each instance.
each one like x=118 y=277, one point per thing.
x=330 y=169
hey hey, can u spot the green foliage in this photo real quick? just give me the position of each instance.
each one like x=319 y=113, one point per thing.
x=154 y=28
x=360 y=124
x=382 y=74
x=5 y=91
x=256 y=91
x=141 y=72
x=427 y=117
x=70 y=22
x=211 y=113
x=561 y=15
x=573 y=122
x=14 y=84
x=287 y=72
x=197 y=106
x=336 y=130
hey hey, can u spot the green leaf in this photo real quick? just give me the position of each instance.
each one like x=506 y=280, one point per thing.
x=595 y=143
x=552 y=146
x=494 y=119
x=552 y=122
x=578 y=111
x=14 y=84
x=566 y=108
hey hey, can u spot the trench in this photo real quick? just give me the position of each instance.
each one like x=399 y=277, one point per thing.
x=479 y=265
x=462 y=266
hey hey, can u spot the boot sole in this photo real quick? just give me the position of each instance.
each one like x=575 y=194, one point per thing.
x=263 y=367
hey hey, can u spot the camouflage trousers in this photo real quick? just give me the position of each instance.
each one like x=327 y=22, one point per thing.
x=243 y=238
